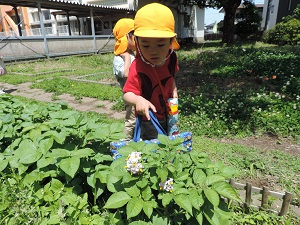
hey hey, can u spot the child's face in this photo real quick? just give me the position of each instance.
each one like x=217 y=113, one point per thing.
x=154 y=50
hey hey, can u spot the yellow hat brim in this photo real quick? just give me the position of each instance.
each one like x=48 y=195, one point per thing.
x=121 y=45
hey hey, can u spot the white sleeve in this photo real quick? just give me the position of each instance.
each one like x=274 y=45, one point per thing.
x=118 y=66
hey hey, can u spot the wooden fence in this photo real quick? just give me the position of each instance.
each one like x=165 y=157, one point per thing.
x=265 y=193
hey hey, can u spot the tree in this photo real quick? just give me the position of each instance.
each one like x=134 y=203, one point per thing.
x=248 y=21
x=229 y=7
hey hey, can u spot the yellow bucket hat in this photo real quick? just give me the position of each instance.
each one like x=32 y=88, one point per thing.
x=157 y=21
x=122 y=27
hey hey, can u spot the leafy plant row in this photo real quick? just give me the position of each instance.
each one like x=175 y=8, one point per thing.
x=61 y=159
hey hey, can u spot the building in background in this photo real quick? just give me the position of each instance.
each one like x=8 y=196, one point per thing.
x=275 y=10
x=189 y=20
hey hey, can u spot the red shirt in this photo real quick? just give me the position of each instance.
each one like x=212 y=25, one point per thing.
x=143 y=81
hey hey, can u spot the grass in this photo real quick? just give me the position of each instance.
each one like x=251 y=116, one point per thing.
x=231 y=92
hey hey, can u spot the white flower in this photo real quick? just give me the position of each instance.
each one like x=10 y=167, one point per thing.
x=167 y=185
x=133 y=164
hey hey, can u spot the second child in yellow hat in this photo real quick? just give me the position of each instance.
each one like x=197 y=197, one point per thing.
x=151 y=80
x=124 y=56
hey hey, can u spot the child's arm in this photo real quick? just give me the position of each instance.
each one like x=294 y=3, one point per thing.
x=142 y=105
x=127 y=63
x=175 y=94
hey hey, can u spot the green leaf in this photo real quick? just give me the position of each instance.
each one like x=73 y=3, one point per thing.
x=117 y=200
x=114 y=183
x=184 y=202
x=159 y=220
x=127 y=177
x=58 y=137
x=116 y=127
x=36 y=175
x=58 y=153
x=28 y=152
x=117 y=136
x=140 y=223
x=179 y=190
x=196 y=200
x=44 y=162
x=148 y=208
x=212 y=196
x=182 y=176
x=199 y=217
x=56 y=185
x=82 y=153
x=27 y=127
x=70 y=165
x=163 y=139
x=166 y=199
x=228 y=171
x=149 y=148
x=162 y=173
x=125 y=150
x=226 y=190
x=137 y=146
x=35 y=133
x=146 y=193
x=133 y=191
x=199 y=176
x=46 y=144
x=225 y=215
x=134 y=207
x=48 y=196
x=3 y=162
x=211 y=179
x=54 y=219
x=177 y=142
x=142 y=183
x=91 y=180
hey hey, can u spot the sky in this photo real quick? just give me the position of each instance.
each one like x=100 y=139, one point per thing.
x=212 y=15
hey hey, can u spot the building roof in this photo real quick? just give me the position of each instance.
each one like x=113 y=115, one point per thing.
x=73 y=8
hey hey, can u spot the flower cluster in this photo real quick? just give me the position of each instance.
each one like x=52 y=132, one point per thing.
x=167 y=185
x=133 y=164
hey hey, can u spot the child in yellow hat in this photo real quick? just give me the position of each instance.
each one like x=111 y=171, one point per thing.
x=151 y=80
x=124 y=55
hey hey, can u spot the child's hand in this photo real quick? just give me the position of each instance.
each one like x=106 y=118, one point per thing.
x=142 y=107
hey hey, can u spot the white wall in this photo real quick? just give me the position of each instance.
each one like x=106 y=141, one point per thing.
x=270 y=14
x=199 y=24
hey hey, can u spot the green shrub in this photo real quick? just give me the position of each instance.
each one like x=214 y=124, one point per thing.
x=284 y=33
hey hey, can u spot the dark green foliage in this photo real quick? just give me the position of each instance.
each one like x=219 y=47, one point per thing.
x=286 y=32
x=249 y=21
x=295 y=15
x=248 y=91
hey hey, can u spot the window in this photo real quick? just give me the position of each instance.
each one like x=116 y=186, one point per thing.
x=106 y=25
x=35 y=16
x=186 y=20
x=47 y=15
